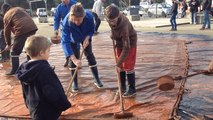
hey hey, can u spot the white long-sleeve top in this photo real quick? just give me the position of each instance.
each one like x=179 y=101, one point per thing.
x=97 y=7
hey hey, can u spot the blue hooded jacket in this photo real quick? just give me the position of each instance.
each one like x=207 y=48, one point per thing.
x=72 y=33
x=61 y=11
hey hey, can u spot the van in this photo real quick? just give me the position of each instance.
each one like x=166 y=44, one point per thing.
x=145 y=5
x=42 y=15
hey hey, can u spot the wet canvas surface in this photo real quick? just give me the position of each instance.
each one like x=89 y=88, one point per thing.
x=157 y=55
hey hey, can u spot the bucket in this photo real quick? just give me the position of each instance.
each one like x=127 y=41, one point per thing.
x=56 y=39
x=165 y=83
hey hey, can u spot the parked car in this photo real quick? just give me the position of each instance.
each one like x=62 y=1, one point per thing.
x=141 y=10
x=42 y=15
x=41 y=12
x=159 y=9
x=145 y=5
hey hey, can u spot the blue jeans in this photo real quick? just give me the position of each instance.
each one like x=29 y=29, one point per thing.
x=206 y=19
x=173 y=21
x=194 y=17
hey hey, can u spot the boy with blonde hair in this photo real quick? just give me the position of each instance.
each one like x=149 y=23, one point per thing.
x=42 y=91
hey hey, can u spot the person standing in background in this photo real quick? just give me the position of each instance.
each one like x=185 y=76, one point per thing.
x=206 y=7
x=61 y=11
x=98 y=10
x=184 y=8
x=174 y=12
x=194 y=4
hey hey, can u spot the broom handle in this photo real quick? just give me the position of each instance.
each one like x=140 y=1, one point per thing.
x=197 y=73
x=73 y=76
x=119 y=80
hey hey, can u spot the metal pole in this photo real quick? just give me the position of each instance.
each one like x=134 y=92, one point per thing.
x=156 y=10
x=46 y=6
x=30 y=6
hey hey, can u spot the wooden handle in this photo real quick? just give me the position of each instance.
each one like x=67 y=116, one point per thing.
x=73 y=76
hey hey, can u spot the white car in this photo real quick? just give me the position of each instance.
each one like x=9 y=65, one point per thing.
x=159 y=9
x=41 y=12
x=141 y=10
x=145 y=5
x=42 y=15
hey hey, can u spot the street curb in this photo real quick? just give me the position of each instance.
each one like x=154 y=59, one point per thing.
x=159 y=26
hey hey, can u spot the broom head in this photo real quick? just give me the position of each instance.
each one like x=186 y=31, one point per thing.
x=121 y=115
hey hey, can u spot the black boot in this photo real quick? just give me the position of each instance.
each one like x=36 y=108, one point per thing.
x=123 y=81
x=131 y=90
x=75 y=82
x=15 y=65
x=97 y=81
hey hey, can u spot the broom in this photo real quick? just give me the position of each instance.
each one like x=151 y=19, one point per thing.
x=122 y=113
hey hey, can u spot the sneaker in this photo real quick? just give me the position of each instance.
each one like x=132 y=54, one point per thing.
x=98 y=84
x=129 y=93
x=173 y=29
x=202 y=28
x=208 y=28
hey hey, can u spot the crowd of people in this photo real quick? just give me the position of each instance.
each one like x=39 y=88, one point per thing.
x=194 y=7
